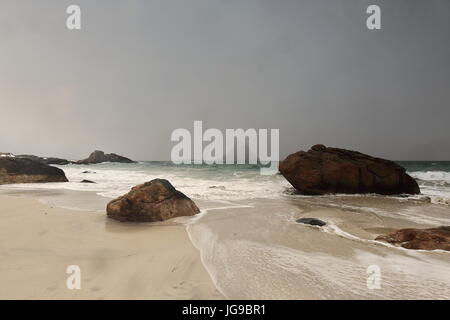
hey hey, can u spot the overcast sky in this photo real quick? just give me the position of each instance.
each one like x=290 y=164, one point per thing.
x=140 y=69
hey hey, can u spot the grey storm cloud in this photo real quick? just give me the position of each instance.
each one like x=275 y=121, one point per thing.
x=137 y=70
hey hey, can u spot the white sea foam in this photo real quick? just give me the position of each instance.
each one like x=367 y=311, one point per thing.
x=435 y=184
x=441 y=176
x=206 y=183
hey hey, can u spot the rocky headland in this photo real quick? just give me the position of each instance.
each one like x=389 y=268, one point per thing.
x=99 y=157
x=44 y=160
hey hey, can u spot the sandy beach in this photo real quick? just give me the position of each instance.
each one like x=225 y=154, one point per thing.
x=118 y=261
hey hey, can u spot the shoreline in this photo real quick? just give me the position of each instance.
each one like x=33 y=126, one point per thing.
x=256 y=250
x=117 y=261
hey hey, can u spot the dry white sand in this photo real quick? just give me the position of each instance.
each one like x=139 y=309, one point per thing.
x=117 y=261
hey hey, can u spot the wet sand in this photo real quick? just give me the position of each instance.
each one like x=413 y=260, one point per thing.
x=265 y=254
x=118 y=261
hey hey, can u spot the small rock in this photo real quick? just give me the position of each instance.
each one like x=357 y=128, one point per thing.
x=217 y=187
x=312 y=221
x=87 y=181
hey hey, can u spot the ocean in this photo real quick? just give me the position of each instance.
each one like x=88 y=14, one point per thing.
x=220 y=182
x=433 y=178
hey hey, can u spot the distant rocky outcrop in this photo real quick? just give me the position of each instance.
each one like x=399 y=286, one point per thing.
x=324 y=170
x=99 y=157
x=420 y=239
x=45 y=160
x=156 y=200
x=21 y=170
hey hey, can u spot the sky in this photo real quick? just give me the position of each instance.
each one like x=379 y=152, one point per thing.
x=138 y=70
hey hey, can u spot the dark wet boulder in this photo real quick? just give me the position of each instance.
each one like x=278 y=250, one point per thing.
x=312 y=221
x=156 y=200
x=324 y=170
x=21 y=170
x=420 y=239
x=99 y=157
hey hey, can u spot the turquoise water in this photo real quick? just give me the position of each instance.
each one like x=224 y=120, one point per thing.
x=424 y=166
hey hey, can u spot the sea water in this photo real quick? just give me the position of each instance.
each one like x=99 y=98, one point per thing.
x=218 y=182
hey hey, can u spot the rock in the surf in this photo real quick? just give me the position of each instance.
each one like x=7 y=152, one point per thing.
x=420 y=239
x=99 y=157
x=86 y=181
x=312 y=221
x=324 y=170
x=156 y=200
x=21 y=170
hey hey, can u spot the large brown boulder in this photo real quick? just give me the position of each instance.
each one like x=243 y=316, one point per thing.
x=324 y=170
x=156 y=200
x=99 y=157
x=420 y=239
x=18 y=170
